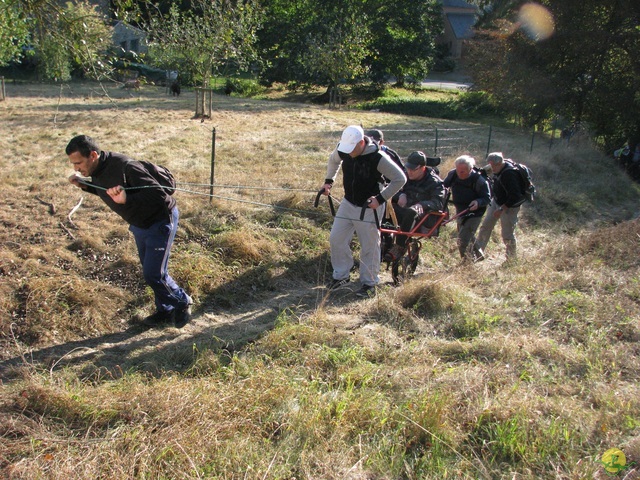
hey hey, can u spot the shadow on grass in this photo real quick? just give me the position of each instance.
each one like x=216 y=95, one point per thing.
x=224 y=321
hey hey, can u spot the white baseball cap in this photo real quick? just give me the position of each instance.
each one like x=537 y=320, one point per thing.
x=351 y=136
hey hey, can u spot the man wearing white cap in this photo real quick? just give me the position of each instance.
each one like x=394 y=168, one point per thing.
x=363 y=167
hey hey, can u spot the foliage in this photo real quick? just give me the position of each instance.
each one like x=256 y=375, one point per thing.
x=206 y=39
x=301 y=42
x=14 y=32
x=243 y=87
x=73 y=37
x=464 y=105
x=335 y=53
x=586 y=71
x=403 y=39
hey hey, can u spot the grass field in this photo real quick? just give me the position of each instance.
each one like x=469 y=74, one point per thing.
x=485 y=371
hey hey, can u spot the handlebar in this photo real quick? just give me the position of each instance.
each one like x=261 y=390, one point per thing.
x=317 y=202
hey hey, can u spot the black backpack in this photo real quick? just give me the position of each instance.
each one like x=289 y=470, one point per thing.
x=161 y=174
x=526 y=177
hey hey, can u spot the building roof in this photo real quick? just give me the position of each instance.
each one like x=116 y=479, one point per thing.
x=461 y=24
x=457 y=4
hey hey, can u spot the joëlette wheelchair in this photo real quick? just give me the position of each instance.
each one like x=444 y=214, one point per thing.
x=427 y=227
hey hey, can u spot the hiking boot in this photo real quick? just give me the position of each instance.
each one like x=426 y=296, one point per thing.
x=367 y=291
x=394 y=253
x=158 y=318
x=335 y=283
x=183 y=313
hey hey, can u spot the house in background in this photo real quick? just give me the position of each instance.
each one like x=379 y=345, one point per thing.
x=459 y=19
x=125 y=36
x=129 y=38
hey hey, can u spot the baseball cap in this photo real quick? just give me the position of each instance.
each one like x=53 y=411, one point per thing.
x=351 y=136
x=415 y=160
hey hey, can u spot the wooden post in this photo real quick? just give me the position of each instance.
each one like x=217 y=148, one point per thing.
x=213 y=162
x=533 y=135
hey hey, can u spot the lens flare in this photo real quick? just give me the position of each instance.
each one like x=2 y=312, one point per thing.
x=536 y=21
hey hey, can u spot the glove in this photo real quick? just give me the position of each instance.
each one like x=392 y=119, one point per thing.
x=417 y=208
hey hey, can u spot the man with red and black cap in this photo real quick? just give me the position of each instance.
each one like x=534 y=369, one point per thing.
x=363 y=167
x=424 y=192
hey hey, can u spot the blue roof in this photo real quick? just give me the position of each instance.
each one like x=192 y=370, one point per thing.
x=461 y=24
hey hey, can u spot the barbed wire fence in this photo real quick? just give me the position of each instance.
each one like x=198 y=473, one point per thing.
x=443 y=141
x=446 y=142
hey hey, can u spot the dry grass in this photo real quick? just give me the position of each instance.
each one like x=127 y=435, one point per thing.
x=522 y=371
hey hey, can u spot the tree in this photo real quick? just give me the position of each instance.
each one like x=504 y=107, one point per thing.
x=203 y=39
x=375 y=38
x=334 y=54
x=403 y=38
x=588 y=70
x=14 y=32
x=64 y=38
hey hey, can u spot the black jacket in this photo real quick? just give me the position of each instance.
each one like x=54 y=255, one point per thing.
x=429 y=192
x=507 y=187
x=364 y=176
x=474 y=187
x=145 y=206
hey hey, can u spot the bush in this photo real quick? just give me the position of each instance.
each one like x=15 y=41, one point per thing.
x=242 y=87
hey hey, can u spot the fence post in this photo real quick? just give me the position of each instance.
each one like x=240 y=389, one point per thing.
x=489 y=141
x=435 y=148
x=533 y=135
x=213 y=162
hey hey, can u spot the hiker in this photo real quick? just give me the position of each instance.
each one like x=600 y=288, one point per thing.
x=152 y=215
x=363 y=167
x=471 y=195
x=378 y=137
x=424 y=192
x=508 y=195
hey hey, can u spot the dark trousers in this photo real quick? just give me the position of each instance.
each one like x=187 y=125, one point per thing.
x=154 y=247
x=407 y=218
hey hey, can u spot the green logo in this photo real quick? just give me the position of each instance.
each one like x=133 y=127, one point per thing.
x=614 y=461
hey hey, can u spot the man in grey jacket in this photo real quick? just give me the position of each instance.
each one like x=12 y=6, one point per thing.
x=363 y=167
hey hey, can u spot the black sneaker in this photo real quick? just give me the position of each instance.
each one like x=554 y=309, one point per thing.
x=367 y=291
x=182 y=314
x=158 y=318
x=335 y=284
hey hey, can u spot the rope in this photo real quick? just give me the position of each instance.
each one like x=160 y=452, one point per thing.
x=247 y=187
x=277 y=207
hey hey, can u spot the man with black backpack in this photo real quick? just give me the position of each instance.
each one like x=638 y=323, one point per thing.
x=471 y=195
x=132 y=191
x=364 y=170
x=508 y=195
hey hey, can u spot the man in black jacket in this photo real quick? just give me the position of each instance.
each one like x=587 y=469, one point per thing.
x=370 y=178
x=471 y=193
x=508 y=195
x=150 y=211
x=424 y=192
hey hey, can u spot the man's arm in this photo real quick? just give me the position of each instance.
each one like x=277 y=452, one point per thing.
x=394 y=174
x=333 y=166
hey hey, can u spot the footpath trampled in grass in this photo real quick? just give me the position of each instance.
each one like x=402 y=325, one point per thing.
x=485 y=371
